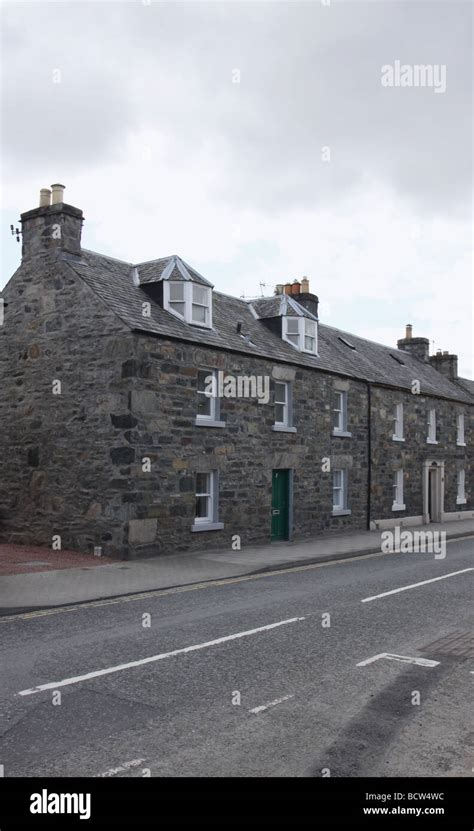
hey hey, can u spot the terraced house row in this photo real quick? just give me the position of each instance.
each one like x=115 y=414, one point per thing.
x=145 y=413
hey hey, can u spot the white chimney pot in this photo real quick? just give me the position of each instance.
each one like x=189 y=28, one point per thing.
x=45 y=197
x=58 y=194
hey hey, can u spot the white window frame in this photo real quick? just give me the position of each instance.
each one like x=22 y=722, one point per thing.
x=398 y=430
x=285 y=426
x=398 y=486
x=340 y=407
x=188 y=295
x=340 y=509
x=460 y=434
x=283 y=401
x=304 y=323
x=431 y=438
x=461 y=487
x=214 y=417
x=211 y=521
x=208 y=494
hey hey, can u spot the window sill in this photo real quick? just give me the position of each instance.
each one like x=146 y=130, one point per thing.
x=208 y=422
x=460 y=444
x=461 y=501
x=282 y=428
x=397 y=438
x=431 y=441
x=342 y=433
x=398 y=507
x=342 y=512
x=207 y=526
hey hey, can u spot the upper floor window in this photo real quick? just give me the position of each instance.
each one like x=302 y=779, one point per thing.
x=339 y=422
x=283 y=407
x=398 y=423
x=301 y=332
x=431 y=439
x=208 y=401
x=398 y=504
x=460 y=430
x=461 y=488
x=340 y=491
x=189 y=301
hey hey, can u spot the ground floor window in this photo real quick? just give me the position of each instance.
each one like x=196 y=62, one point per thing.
x=398 y=504
x=339 y=491
x=206 y=506
x=461 y=495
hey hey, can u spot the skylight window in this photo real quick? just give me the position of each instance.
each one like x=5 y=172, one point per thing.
x=397 y=359
x=346 y=342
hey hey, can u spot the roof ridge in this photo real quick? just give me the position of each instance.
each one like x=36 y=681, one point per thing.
x=367 y=340
x=105 y=256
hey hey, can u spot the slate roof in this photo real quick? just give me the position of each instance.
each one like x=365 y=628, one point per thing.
x=467 y=384
x=112 y=281
x=282 y=304
x=169 y=268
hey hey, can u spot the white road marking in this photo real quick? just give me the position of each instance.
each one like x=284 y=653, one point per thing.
x=53 y=685
x=126 y=766
x=270 y=704
x=422 y=662
x=415 y=585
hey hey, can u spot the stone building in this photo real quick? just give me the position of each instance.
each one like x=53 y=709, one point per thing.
x=144 y=412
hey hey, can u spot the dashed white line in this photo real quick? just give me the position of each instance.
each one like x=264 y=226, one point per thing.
x=415 y=585
x=271 y=704
x=422 y=662
x=53 y=685
x=134 y=763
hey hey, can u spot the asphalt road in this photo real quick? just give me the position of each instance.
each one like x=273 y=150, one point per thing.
x=305 y=704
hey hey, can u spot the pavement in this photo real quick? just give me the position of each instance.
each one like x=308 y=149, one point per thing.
x=62 y=578
x=356 y=667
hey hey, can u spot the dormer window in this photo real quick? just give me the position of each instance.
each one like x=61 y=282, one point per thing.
x=176 y=302
x=189 y=301
x=301 y=332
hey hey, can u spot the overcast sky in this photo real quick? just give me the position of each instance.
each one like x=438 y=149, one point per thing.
x=166 y=153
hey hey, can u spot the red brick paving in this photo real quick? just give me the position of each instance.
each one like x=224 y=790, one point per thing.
x=21 y=559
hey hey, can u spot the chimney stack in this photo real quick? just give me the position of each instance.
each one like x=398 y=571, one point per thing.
x=446 y=364
x=306 y=299
x=53 y=225
x=418 y=347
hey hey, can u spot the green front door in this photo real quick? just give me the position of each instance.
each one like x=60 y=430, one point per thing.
x=280 y=504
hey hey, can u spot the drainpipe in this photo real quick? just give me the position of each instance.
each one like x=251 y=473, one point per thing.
x=369 y=451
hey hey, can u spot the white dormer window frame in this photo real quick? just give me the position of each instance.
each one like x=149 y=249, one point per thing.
x=301 y=332
x=431 y=438
x=398 y=434
x=188 y=301
x=460 y=436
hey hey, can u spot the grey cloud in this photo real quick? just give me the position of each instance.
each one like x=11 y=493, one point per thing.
x=310 y=77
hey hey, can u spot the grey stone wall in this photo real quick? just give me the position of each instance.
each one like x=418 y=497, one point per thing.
x=57 y=476
x=389 y=455
x=245 y=451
